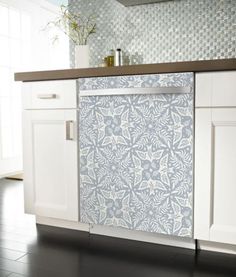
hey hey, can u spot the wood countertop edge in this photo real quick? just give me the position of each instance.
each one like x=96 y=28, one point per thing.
x=174 y=67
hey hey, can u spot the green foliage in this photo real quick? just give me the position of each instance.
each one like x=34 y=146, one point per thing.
x=77 y=27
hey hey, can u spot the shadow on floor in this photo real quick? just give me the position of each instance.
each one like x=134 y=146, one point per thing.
x=47 y=251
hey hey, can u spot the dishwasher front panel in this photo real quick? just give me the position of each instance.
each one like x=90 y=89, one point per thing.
x=136 y=152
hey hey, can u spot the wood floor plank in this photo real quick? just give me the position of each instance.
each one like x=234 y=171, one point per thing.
x=11 y=254
x=16 y=237
x=4 y=273
x=67 y=264
x=16 y=275
x=28 y=269
x=13 y=245
x=13 y=266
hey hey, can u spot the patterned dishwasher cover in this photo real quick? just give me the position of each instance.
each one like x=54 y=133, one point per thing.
x=136 y=153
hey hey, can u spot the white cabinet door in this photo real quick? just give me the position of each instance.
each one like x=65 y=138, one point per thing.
x=215 y=175
x=50 y=163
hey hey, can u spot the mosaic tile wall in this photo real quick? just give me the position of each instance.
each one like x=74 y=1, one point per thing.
x=163 y=32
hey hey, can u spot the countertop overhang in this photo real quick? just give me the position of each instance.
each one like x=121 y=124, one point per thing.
x=189 y=66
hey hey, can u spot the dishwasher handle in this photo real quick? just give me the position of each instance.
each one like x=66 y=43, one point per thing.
x=137 y=91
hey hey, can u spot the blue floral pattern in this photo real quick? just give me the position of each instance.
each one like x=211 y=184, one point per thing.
x=136 y=155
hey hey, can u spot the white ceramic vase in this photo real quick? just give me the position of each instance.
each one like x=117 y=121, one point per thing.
x=81 y=56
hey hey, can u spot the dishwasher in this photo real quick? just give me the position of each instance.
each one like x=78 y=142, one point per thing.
x=136 y=152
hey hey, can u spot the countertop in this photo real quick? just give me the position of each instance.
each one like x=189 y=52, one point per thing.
x=188 y=66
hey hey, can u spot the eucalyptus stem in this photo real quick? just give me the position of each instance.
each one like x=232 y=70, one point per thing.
x=74 y=25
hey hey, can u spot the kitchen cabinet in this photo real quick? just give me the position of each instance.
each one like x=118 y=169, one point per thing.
x=137 y=143
x=136 y=140
x=215 y=158
x=50 y=151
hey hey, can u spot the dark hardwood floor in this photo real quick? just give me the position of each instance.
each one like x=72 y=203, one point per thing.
x=46 y=251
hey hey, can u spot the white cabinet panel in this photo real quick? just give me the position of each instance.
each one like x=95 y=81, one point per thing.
x=50 y=162
x=216 y=89
x=224 y=89
x=203 y=89
x=215 y=175
x=224 y=173
x=202 y=184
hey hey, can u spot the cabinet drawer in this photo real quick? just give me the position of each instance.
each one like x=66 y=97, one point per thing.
x=216 y=89
x=49 y=95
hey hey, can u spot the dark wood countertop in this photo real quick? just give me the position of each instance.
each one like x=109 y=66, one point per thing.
x=191 y=66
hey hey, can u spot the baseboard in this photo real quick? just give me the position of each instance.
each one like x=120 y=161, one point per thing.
x=121 y=233
x=216 y=247
x=143 y=236
x=117 y=232
x=62 y=223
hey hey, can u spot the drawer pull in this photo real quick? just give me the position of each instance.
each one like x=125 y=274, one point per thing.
x=47 y=96
x=69 y=130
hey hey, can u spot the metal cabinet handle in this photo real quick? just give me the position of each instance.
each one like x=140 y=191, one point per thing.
x=131 y=91
x=47 y=96
x=70 y=130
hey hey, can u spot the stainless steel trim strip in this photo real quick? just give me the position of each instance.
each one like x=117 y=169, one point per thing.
x=130 y=91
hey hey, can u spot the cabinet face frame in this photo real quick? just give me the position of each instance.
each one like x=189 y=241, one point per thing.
x=68 y=164
x=208 y=208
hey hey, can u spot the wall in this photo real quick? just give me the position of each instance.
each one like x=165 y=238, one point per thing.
x=58 y=2
x=170 y=31
x=46 y=54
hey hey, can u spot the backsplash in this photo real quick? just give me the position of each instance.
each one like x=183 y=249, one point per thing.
x=178 y=30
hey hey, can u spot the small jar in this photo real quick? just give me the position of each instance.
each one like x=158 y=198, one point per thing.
x=104 y=62
x=111 y=58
